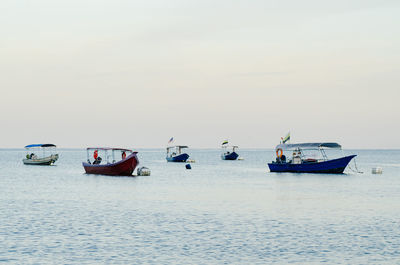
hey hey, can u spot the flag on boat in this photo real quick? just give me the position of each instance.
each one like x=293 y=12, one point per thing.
x=225 y=142
x=287 y=138
x=170 y=140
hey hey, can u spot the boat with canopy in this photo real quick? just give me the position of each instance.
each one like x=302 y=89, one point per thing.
x=309 y=158
x=175 y=154
x=115 y=161
x=40 y=154
x=229 y=152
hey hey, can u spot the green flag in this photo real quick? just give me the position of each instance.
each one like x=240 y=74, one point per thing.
x=287 y=138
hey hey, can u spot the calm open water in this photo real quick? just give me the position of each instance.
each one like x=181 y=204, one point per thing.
x=218 y=212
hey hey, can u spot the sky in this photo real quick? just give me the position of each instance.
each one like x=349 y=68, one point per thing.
x=133 y=74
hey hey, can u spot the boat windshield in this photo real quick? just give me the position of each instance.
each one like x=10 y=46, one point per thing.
x=321 y=154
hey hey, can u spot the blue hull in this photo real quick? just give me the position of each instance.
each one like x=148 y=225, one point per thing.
x=178 y=158
x=336 y=166
x=231 y=156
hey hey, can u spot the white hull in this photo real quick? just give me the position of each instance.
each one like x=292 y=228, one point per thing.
x=41 y=161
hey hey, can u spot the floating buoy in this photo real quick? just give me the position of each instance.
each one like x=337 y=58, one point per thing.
x=143 y=171
x=190 y=161
x=240 y=158
x=377 y=170
x=188 y=166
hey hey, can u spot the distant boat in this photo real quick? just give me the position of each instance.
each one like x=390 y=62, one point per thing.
x=300 y=163
x=117 y=161
x=229 y=152
x=40 y=154
x=174 y=153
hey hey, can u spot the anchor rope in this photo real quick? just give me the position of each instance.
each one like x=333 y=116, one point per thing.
x=356 y=170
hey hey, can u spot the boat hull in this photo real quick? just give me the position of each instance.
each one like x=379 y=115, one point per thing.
x=179 y=158
x=230 y=156
x=124 y=167
x=334 y=166
x=45 y=161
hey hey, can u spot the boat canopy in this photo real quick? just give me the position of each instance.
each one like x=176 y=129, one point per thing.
x=230 y=146
x=108 y=148
x=178 y=146
x=308 y=146
x=40 y=145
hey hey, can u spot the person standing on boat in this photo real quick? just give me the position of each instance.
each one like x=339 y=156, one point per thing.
x=97 y=158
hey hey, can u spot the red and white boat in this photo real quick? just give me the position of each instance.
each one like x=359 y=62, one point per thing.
x=116 y=161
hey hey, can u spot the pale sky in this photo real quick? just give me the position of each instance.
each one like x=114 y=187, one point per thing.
x=81 y=73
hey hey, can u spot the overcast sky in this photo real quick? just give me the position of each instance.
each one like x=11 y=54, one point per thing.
x=83 y=73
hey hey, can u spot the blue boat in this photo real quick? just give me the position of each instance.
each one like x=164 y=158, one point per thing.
x=229 y=154
x=174 y=153
x=301 y=163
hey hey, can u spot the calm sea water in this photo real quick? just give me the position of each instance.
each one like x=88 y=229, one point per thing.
x=231 y=212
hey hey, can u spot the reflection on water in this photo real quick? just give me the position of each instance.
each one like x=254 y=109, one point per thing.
x=218 y=212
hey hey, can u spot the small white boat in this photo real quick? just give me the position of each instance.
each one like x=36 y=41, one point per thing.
x=40 y=154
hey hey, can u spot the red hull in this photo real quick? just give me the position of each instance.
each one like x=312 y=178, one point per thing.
x=121 y=168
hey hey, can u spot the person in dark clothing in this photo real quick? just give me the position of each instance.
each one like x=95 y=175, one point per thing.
x=97 y=161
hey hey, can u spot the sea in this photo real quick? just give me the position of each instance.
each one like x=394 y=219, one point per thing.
x=219 y=212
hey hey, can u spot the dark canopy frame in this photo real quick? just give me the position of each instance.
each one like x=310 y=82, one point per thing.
x=308 y=146
x=40 y=145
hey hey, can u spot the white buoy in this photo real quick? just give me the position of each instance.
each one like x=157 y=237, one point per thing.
x=377 y=170
x=190 y=161
x=240 y=158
